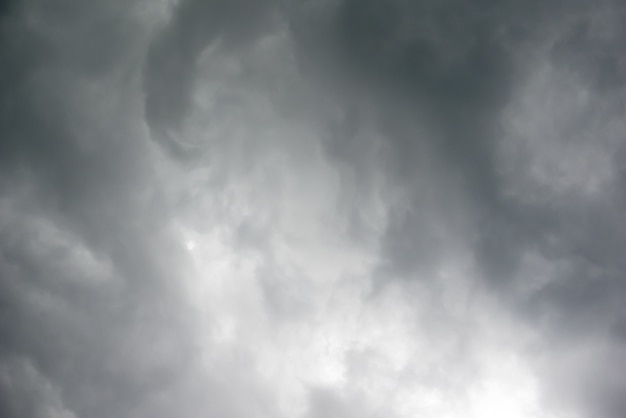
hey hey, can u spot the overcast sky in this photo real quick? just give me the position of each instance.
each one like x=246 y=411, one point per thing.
x=312 y=209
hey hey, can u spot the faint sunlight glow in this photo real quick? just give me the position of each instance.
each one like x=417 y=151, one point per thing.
x=507 y=391
x=190 y=244
x=374 y=351
x=293 y=295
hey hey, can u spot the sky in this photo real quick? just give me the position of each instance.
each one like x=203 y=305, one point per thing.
x=312 y=209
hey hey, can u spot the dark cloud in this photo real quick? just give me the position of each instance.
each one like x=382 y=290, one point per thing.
x=441 y=78
x=171 y=65
x=6 y=6
x=494 y=128
x=439 y=68
x=27 y=392
x=86 y=301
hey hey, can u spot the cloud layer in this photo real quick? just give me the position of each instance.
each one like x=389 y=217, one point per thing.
x=331 y=209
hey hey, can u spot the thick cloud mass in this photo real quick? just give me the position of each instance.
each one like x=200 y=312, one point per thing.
x=337 y=208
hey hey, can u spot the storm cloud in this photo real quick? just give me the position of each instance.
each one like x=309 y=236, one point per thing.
x=340 y=208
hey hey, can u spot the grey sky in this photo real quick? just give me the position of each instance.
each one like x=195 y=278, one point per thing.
x=297 y=208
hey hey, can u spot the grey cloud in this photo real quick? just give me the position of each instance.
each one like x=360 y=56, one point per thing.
x=172 y=61
x=440 y=100
x=438 y=76
x=25 y=392
x=441 y=79
x=92 y=296
x=6 y=7
x=73 y=159
x=325 y=403
x=585 y=376
x=102 y=343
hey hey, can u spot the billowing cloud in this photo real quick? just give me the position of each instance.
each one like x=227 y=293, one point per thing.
x=342 y=208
